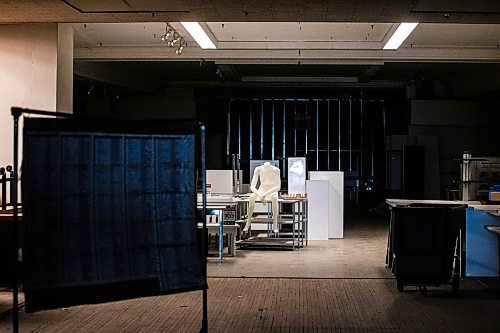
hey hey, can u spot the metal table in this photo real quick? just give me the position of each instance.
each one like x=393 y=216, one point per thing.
x=230 y=229
x=220 y=206
x=297 y=219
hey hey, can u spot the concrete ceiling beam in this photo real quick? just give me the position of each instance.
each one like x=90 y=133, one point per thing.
x=406 y=54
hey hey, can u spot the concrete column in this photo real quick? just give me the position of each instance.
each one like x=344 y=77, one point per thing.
x=64 y=90
x=28 y=62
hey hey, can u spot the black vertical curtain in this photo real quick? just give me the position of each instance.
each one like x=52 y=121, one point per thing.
x=110 y=211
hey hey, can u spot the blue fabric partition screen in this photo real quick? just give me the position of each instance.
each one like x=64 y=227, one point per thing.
x=109 y=210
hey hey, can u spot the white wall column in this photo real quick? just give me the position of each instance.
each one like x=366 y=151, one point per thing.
x=28 y=74
x=64 y=68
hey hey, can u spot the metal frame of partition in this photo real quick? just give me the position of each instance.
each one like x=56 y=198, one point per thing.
x=355 y=132
x=14 y=200
x=16 y=114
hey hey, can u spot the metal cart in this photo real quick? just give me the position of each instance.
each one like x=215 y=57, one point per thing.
x=425 y=246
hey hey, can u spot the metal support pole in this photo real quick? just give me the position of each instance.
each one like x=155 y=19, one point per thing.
x=383 y=133
x=350 y=134
x=228 y=136
x=466 y=175
x=251 y=134
x=372 y=146
x=204 y=321
x=328 y=136
x=295 y=129
x=384 y=121
x=15 y=291
x=460 y=251
x=317 y=135
x=272 y=133
x=221 y=237
x=239 y=134
x=306 y=151
x=361 y=138
x=339 y=136
x=262 y=129
x=284 y=136
x=306 y=216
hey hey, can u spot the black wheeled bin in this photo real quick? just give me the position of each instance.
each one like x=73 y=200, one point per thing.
x=425 y=246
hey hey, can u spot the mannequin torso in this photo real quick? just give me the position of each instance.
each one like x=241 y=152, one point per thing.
x=270 y=181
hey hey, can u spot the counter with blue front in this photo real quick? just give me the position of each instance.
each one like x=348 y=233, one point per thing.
x=482 y=246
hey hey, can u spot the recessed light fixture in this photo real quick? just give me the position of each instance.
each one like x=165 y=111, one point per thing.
x=399 y=36
x=199 y=35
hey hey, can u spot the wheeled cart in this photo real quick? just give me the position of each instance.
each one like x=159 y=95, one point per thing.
x=425 y=244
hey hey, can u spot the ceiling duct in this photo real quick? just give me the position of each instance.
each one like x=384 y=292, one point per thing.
x=458 y=7
x=126 y=6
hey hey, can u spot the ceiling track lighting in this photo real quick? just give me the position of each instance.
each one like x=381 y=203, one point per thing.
x=168 y=32
x=171 y=36
x=175 y=39
x=181 y=47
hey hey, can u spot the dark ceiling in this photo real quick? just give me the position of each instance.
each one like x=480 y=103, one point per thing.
x=432 y=80
x=450 y=11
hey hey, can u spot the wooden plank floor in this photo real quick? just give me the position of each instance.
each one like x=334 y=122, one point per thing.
x=6 y=301
x=285 y=305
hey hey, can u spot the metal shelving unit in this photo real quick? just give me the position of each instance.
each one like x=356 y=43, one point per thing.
x=294 y=239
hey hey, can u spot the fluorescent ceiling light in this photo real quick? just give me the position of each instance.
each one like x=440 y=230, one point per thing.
x=199 y=35
x=399 y=36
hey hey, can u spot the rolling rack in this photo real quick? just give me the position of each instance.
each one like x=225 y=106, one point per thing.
x=294 y=239
x=4 y=179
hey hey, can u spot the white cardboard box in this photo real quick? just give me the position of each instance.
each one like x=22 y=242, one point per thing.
x=318 y=213
x=335 y=200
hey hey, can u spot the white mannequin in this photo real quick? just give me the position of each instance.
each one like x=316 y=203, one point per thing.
x=270 y=184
